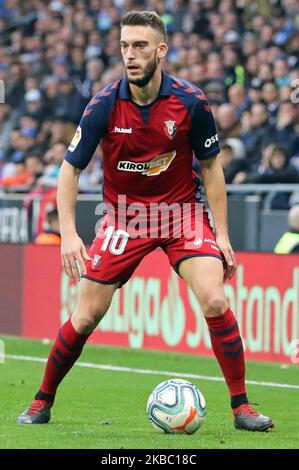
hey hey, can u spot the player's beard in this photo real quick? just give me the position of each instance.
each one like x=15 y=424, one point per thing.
x=148 y=74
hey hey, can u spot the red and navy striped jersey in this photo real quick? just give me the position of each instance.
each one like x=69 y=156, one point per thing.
x=147 y=150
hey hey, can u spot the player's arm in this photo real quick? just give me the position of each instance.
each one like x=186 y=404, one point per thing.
x=214 y=184
x=91 y=128
x=206 y=147
x=73 y=250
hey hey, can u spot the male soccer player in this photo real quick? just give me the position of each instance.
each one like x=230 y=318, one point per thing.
x=150 y=125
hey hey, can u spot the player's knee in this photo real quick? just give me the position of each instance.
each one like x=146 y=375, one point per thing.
x=86 y=321
x=214 y=306
x=86 y=324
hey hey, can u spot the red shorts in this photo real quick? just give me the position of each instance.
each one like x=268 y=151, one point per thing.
x=115 y=254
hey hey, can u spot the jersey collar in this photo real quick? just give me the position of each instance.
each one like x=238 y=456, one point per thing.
x=165 y=89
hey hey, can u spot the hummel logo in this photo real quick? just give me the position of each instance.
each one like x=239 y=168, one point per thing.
x=121 y=130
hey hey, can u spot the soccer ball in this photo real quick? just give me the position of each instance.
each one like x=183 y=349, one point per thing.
x=176 y=407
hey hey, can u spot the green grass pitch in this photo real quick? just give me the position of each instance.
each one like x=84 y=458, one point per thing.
x=105 y=409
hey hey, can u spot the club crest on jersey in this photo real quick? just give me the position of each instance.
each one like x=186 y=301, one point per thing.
x=96 y=261
x=170 y=129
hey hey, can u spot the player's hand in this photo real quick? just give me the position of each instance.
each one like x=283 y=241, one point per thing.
x=224 y=246
x=73 y=254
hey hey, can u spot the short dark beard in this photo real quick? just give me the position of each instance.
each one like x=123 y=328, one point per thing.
x=148 y=74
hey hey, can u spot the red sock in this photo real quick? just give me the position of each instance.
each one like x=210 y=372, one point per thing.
x=66 y=350
x=228 y=349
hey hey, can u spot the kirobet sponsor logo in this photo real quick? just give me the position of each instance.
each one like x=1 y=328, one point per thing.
x=152 y=168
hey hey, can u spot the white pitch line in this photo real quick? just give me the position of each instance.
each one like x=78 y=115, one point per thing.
x=108 y=367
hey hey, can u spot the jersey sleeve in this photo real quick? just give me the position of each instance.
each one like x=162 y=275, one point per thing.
x=92 y=127
x=204 y=136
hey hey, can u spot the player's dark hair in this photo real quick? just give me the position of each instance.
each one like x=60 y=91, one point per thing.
x=145 y=18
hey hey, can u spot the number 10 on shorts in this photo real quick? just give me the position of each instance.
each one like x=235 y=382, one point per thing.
x=115 y=240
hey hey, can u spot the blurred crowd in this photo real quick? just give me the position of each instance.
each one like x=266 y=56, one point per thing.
x=55 y=55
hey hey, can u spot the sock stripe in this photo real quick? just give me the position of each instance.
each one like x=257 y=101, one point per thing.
x=232 y=343
x=64 y=353
x=56 y=363
x=60 y=355
x=227 y=346
x=234 y=353
x=65 y=361
x=66 y=345
x=224 y=332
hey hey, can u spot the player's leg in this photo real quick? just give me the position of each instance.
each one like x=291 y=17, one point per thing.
x=204 y=275
x=93 y=303
x=107 y=269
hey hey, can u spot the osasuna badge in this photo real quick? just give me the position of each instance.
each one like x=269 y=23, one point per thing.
x=170 y=129
x=96 y=261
